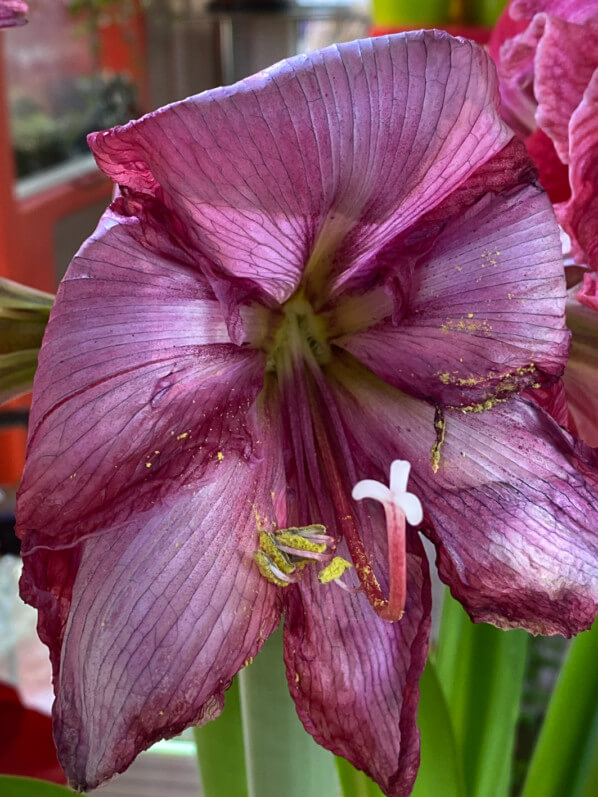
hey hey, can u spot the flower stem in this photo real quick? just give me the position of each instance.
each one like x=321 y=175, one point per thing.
x=281 y=757
x=221 y=752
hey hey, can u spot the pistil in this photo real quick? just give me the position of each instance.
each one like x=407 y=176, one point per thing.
x=397 y=505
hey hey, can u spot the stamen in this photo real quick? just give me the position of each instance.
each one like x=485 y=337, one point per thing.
x=304 y=539
x=269 y=570
x=334 y=570
x=283 y=553
x=269 y=547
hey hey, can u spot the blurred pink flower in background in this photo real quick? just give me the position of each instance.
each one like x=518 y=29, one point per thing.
x=547 y=57
x=13 y=13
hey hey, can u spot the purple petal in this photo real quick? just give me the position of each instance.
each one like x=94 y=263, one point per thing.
x=13 y=13
x=150 y=618
x=484 y=315
x=138 y=388
x=579 y=216
x=318 y=160
x=513 y=507
x=354 y=677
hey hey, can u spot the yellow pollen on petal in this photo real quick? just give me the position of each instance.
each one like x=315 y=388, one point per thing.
x=466 y=325
x=334 y=570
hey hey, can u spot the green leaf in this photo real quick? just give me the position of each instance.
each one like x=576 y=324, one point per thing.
x=12 y=786
x=565 y=760
x=355 y=783
x=481 y=671
x=16 y=373
x=281 y=757
x=221 y=751
x=440 y=769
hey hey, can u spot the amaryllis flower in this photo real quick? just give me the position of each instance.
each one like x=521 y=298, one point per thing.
x=325 y=280
x=13 y=13
x=547 y=55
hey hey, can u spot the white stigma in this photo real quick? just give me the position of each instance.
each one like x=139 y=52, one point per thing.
x=396 y=494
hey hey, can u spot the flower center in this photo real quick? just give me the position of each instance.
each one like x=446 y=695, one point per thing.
x=301 y=332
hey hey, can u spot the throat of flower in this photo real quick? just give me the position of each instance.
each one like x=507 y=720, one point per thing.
x=398 y=506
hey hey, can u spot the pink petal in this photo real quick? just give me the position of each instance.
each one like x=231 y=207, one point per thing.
x=515 y=59
x=579 y=216
x=354 y=678
x=552 y=172
x=513 y=507
x=138 y=388
x=553 y=399
x=572 y=10
x=588 y=295
x=484 y=315
x=320 y=160
x=565 y=60
x=150 y=618
x=13 y=13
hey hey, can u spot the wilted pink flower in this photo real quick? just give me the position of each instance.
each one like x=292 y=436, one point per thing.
x=330 y=270
x=12 y=13
x=547 y=52
x=547 y=56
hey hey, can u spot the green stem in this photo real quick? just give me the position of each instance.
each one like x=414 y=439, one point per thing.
x=440 y=771
x=481 y=670
x=221 y=751
x=281 y=757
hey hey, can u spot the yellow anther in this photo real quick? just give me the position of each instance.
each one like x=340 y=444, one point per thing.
x=334 y=570
x=283 y=553
x=269 y=547
x=293 y=538
x=264 y=566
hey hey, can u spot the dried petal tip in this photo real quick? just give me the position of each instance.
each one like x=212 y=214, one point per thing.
x=397 y=494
